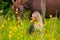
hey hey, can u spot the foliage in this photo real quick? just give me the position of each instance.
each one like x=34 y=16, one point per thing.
x=10 y=29
x=4 y=4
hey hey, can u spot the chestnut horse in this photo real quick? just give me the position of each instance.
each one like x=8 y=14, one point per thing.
x=51 y=6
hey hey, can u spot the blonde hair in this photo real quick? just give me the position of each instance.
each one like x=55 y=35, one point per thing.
x=38 y=20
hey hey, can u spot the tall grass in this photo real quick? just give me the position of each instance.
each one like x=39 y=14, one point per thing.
x=11 y=30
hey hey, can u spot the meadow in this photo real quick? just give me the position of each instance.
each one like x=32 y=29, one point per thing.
x=10 y=29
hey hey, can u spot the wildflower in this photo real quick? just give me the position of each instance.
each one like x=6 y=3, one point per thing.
x=24 y=31
x=5 y=21
x=31 y=20
x=18 y=21
x=45 y=23
x=59 y=35
x=48 y=35
x=19 y=26
x=16 y=12
x=11 y=27
x=50 y=16
x=8 y=18
x=10 y=35
x=35 y=22
x=2 y=26
x=44 y=30
x=18 y=38
x=10 y=32
x=52 y=39
x=4 y=33
x=13 y=21
x=14 y=29
x=19 y=34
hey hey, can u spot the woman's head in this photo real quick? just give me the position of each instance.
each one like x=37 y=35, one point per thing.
x=33 y=17
x=36 y=16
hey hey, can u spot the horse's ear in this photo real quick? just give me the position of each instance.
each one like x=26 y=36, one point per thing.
x=12 y=1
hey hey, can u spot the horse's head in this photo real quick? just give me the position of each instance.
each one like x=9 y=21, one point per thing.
x=18 y=6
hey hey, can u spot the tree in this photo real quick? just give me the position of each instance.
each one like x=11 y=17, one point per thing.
x=4 y=4
x=43 y=8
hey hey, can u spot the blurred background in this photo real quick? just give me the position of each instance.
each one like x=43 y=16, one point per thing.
x=10 y=29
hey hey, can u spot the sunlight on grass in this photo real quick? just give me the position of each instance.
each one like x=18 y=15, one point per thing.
x=11 y=30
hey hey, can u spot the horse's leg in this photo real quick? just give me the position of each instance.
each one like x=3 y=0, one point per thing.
x=43 y=8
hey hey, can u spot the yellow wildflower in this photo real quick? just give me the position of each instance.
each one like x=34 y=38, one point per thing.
x=16 y=12
x=19 y=34
x=18 y=21
x=31 y=20
x=52 y=39
x=10 y=35
x=2 y=26
x=18 y=38
x=24 y=31
x=36 y=22
x=19 y=26
x=44 y=30
x=50 y=16
x=14 y=21
x=4 y=33
x=14 y=29
x=48 y=35
x=11 y=27
x=5 y=21
x=45 y=23
x=8 y=18
x=59 y=35
x=10 y=32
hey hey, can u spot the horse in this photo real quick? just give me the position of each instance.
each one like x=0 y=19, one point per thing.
x=52 y=7
x=18 y=8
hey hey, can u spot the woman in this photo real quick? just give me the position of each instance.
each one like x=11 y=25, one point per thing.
x=36 y=21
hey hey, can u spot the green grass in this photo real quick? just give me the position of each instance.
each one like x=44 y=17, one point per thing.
x=11 y=30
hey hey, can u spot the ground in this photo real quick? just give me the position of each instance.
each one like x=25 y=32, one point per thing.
x=10 y=29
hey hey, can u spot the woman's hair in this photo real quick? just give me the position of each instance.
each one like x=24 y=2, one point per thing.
x=37 y=15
